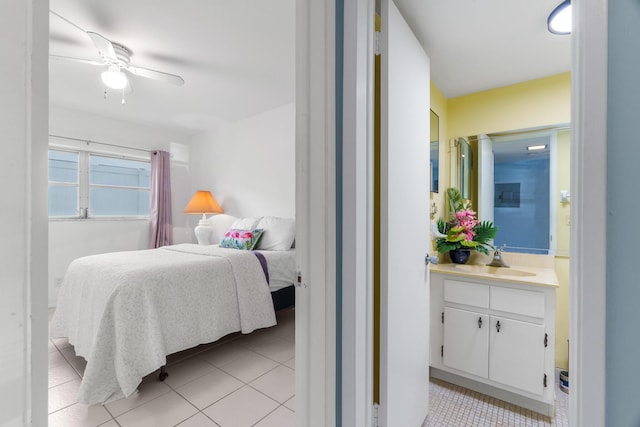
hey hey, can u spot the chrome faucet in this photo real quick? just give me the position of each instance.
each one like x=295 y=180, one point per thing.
x=497 y=260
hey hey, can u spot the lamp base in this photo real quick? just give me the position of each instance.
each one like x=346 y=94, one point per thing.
x=203 y=232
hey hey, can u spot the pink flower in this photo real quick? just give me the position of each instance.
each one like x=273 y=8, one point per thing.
x=246 y=235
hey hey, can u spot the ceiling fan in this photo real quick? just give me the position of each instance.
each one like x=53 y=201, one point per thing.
x=116 y=58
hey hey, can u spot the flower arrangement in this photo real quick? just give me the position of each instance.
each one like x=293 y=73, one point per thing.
x=464 y=231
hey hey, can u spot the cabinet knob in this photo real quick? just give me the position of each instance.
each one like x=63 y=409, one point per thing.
x=498 y=326
x=479 y=322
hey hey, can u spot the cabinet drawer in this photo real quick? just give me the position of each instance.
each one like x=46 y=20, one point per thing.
x=517 y=301
x=466 y=293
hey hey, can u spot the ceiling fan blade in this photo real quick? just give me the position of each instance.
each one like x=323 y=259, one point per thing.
x=67 y=21
x=69 y=58
x=156 y=75
x=103 y=45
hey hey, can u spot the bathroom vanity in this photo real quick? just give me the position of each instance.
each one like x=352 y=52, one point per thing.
x=493 y=330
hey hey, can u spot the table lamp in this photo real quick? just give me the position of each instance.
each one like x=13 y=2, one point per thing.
x=203 y=203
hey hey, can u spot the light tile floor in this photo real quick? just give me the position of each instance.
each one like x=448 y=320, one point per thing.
x=453 y=406
x=242 y=380
x=248 y=380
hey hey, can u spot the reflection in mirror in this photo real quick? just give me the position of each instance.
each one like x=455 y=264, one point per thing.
x=465 y=168
x=522 y=191
x=518 y=177
x=434 y=142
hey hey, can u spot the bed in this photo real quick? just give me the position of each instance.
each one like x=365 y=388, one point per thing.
x=124 y=312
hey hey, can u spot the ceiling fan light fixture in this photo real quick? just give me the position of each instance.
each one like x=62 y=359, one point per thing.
x=114 y=78
x=559 y=21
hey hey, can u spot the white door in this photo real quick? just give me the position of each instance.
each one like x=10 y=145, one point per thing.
x=404 y=230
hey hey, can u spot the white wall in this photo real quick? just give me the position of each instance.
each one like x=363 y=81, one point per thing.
x=24 y=41
x=70 y=239
x=249 y=165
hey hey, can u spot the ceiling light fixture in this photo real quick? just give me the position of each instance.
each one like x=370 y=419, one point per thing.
x=114 y=78
x=536 y=147
x=559 y=21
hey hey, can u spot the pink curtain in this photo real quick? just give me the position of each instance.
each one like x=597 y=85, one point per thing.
x=160 y=224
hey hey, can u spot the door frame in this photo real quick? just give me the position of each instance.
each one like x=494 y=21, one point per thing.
x=357 y=214
x=315 y=213
x=588 y=281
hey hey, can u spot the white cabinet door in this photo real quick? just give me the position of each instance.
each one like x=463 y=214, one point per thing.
x=516 y=354
x=466 y=341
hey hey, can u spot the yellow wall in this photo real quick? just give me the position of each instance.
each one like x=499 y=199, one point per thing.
x=563 y=182
x=439 y=106
x=562 y=312
x=563 y=175
x=524 y=105
x=530 y=104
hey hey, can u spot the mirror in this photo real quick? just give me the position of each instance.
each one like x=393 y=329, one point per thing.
x=434 y=142
x=462 y=167
x=517 y=183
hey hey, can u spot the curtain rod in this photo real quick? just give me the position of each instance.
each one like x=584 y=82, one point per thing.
x=88 y=141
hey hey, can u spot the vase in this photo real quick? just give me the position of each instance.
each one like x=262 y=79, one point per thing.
x=459 y=256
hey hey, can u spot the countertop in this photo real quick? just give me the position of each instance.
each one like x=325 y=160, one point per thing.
x=537 y=275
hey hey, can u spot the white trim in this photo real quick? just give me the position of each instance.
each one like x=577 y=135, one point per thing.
x=588 y=210
x=357 y=214
x=315 y=214
x=554 y=196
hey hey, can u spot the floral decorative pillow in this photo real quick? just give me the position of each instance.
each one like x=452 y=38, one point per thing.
x=241 y=239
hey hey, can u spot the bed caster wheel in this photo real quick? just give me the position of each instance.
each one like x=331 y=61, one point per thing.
x=163 y=374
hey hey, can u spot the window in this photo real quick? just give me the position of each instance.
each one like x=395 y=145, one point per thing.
x=88 y=185
x=63 y=184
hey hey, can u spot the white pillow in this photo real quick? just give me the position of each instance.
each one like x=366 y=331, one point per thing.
x=278 y=235
x=246 y=223
x=220 y=224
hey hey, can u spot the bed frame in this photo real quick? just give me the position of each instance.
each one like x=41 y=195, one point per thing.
x=283 y=298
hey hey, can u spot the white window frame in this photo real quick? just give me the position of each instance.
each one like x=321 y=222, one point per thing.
x=84 y=185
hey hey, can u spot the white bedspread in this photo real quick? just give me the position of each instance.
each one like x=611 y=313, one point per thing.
x=125 y=311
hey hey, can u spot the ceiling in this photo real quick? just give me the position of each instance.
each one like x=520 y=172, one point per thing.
x=516 y=149
x=237 y=57
x=476 y=45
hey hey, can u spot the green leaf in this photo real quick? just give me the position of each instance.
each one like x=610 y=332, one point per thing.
x=443 y=246
x=469 y=244
x=456 y=202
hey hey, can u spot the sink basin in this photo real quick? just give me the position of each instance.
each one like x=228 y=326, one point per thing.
x=496 y=271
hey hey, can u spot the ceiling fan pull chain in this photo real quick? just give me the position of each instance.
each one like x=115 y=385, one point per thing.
x=105 y=94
